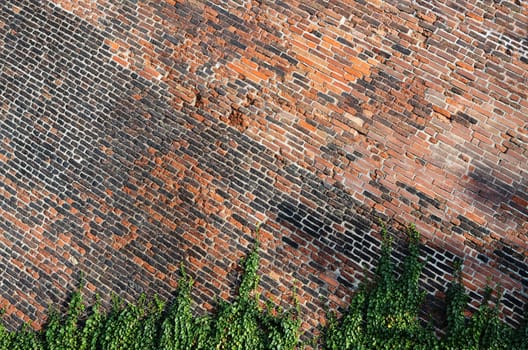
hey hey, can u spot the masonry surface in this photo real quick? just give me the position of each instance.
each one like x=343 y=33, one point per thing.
x=136 y=135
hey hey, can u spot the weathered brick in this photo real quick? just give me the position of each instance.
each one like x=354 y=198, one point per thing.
x=133 y=143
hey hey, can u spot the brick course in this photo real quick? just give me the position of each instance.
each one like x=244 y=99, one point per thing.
x=135 y=135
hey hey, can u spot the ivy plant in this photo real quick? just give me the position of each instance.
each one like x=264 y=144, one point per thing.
x=384 y=313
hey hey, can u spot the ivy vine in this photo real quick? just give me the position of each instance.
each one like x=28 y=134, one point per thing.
x=384 y=313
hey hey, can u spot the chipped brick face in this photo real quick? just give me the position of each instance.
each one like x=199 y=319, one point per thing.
x=135 y=135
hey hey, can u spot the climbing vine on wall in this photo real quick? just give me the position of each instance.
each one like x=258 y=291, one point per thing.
x=383 y=314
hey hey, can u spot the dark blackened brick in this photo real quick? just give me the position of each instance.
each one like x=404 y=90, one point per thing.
x=290 y=59
x=401 y=49
x=172 y=39
x=290 y=242
x=474 y=228
x=483 y=258
x=238 y=44
x=463 y=118
x=365 y=84
x=273 y=49
x=384 y=54
x=345 y=41
x=457 y=91
x=326 y=97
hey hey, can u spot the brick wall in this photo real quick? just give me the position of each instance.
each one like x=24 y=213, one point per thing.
x=136 y=135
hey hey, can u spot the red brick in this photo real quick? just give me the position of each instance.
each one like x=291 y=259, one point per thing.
x=120 y=60
x=408 y=133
